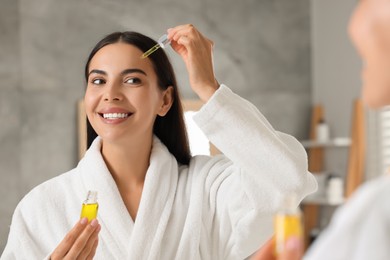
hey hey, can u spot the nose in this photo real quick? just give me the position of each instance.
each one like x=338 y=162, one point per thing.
x=113 y=93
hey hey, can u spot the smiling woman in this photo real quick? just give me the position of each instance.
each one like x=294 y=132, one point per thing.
x=170 y=128
x=155 y=200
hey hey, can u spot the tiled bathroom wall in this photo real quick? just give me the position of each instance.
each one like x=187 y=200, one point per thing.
x=262 y=52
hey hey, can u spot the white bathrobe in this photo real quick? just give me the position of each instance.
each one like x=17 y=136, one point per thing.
x=215 y=208
x=359 y=230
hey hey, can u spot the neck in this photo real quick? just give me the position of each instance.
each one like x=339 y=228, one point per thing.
x=128 y=161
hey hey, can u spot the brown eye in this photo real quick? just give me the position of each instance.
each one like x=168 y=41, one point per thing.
x=98 y=81
x=133 y=81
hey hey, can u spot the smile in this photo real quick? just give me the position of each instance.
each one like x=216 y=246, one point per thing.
x=115 y=115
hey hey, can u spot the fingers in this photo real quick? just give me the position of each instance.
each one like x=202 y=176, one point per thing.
x=69 y=239
x=81 y=245
x=187 y=34
x=93 y=250
x=80 y=242
x=293 y=249
x=90 y=247
x=266 y=252
x=187 y=30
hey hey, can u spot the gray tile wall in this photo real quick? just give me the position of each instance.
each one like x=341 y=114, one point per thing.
x=262 y=52
x=10 y=114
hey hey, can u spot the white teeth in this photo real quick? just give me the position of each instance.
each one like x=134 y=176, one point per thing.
x=115 y=115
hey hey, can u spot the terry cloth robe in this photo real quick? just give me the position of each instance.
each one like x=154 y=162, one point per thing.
x=217 y=207
x=360 y=229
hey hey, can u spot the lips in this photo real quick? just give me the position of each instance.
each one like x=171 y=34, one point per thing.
x=114 y=114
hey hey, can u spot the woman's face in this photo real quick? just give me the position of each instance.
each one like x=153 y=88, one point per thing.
x=370 y=32
x=122 y=98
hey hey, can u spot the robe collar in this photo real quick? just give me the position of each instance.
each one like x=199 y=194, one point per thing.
x=142 y=238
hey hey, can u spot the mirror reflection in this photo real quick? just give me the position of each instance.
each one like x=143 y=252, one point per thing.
x=295 y=66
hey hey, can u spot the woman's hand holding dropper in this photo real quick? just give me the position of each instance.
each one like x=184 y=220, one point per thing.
x=196 y=51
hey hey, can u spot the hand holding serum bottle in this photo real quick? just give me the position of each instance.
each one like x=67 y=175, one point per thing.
x=287 y=223
x=90 y=206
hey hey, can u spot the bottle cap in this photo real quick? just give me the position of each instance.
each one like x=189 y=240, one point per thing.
x=290 y=202
x=163 y=41
x=91 y=196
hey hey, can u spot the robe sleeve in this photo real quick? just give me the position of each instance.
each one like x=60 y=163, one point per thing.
x=266 y=165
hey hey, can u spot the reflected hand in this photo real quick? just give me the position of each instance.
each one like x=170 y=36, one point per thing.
x=80 y=243
x=294 y=250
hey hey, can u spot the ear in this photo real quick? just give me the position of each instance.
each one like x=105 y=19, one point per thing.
x=167 y=101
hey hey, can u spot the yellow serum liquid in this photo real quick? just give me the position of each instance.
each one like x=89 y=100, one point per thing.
x=287 y=223
x=89 y=211
x=90 y=206
x=286 y=226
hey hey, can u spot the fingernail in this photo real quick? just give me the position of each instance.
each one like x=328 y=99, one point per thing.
x=84 y=221
x=94 y=223
x=293 y=243
x=169 y=29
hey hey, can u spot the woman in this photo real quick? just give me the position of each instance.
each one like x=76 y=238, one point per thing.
x=360 y=229
x=155 y=201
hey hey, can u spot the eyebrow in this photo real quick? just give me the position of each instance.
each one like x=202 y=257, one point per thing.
x=126 y=71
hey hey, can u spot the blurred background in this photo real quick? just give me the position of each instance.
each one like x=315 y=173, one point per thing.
x=284 y=56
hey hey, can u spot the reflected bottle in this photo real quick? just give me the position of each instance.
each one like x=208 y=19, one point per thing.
x=287 y=223
x=90 y=206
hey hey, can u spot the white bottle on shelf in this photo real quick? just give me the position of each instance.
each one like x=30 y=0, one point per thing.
x=322 y=131
x=335 y=190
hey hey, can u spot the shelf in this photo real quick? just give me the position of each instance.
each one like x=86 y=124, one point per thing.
x=336 y=142
x=321 y=201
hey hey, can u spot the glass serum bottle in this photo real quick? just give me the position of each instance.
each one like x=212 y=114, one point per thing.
x=90 y=206
x=287 y=223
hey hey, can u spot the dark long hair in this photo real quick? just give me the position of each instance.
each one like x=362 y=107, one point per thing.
x=170 y=129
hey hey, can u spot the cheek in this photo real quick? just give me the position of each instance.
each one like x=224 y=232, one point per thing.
x=148 y=100
x=89 y=102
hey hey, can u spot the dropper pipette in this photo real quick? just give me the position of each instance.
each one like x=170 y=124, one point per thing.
x=162 y=42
